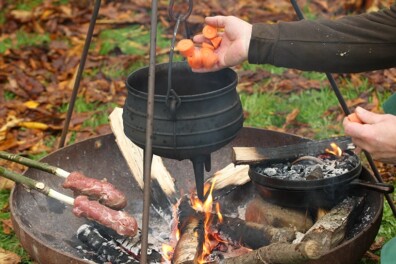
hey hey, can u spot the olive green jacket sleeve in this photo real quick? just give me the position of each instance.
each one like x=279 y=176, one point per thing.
x=350 y=44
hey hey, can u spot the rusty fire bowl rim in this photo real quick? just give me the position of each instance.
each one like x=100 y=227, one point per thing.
x=38 y=249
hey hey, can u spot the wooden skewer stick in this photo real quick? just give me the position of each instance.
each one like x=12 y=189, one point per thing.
x=34 y=164
x=122 y=217
x=103 y=191
x=36 y=185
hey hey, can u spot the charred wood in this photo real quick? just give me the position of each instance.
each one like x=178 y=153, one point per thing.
x=256 y=155
x=107 y=250
x=265 y=213
x=251 y=235
x=236 y=230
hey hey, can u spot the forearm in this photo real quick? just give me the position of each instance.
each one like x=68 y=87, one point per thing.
x=350 y=44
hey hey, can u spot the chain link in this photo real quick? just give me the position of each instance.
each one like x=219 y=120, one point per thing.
x=175 y=16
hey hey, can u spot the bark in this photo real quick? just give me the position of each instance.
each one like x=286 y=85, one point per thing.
x=330 y=230
x=189 y=246
x=279 y=253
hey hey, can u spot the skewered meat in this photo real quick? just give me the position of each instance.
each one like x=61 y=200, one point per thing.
x=119 y=221
x=100 y=190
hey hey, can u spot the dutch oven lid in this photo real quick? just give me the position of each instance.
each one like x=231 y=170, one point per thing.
x=278 y=183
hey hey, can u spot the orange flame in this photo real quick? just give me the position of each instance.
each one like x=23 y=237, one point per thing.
x=167 y=252
x=219 y=215
x=206 y=207
x=335 y=150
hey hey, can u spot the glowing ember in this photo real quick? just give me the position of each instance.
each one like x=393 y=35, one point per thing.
x=335 y=150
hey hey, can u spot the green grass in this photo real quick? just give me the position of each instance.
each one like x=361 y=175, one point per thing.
x=24 y=39
x=100 y=111
x=10 y=242
x=132 y=40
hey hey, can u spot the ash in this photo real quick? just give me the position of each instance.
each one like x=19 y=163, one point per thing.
x=311 y=168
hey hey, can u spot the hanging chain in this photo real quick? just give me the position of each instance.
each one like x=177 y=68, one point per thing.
x=173 y=101
x=171 y=94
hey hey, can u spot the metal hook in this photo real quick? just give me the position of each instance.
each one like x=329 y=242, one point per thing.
x=174 y=16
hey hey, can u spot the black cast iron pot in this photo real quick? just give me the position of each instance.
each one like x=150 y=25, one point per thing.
x=201 y=114
x=320 y=193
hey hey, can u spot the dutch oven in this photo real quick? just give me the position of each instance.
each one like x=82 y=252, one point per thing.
x=317 y=193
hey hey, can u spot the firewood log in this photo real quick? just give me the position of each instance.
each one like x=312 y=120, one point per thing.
x=265 y=213
x=251 y=235
x=189 y=246
x=230 y=175
x=330 y=230
x=256 y=155
x=236 y=230
x=279 y=253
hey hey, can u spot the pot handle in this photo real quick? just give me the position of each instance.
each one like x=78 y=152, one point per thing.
x=378 y=187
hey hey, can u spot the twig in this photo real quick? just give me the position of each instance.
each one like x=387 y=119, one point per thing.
x=34 y=164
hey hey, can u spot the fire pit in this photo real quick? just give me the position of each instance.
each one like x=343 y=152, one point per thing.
x=47 y=229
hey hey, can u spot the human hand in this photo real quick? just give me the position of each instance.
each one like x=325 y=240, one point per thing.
x=234 y=46
x=377 y=134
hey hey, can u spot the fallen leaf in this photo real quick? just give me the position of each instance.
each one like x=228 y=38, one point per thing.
x=33 y=125
x=8 y=257
x=7 y=227
x=291 y=117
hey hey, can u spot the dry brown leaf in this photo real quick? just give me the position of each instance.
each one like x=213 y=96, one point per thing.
x=291 y=117
x=22 y=15
x=7 y=227
x=8 y=257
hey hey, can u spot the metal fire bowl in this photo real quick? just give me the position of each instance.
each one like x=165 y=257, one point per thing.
x=47 y=228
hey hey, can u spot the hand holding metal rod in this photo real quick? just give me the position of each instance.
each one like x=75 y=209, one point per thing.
x=344 y=107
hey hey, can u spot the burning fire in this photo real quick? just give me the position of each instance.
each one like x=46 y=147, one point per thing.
x=206 y=208
x=335 y=150
x=210 y=239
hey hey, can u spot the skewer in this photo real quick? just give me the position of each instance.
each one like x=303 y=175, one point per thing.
x=36 y=185
x=102 y=191
x=34 y=164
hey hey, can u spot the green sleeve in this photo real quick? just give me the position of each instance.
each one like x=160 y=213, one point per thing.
x=354 y=43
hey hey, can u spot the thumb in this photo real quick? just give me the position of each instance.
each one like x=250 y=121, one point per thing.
x=367 y=117
x=216 y=21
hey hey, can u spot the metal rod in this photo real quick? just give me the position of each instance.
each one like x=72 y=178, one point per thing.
x=79 y=73
x=345 y=108
x=149 y=132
